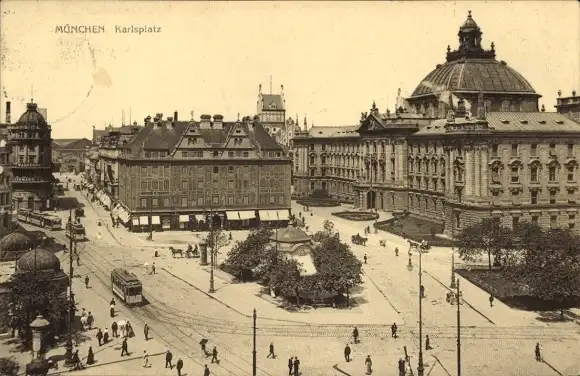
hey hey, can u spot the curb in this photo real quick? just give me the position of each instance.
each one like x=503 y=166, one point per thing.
x=464 y=301
x=339 y=370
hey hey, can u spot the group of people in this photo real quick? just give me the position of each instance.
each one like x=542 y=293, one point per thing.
x=347 y=352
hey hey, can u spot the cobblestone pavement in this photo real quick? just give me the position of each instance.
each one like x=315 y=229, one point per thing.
x=180 y=313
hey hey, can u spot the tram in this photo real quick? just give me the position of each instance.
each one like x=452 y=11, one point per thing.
x=127 y=286
x=39 y=219
x=75 y=231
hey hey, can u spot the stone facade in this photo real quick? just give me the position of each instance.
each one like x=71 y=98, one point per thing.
x=569 y=106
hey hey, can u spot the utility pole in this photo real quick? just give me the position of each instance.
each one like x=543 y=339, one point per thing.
x=71 y=310
x=151 y=218
x=420 y=368
x=254 y=350
x=458 y=331
x=212 y=240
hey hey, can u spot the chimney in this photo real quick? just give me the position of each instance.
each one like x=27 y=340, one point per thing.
x=218 y=122
x=158 y=117
x=169 y=119
x=8 y=112
x=175 y=115
x=205 y=122
x=255 y=122
x=147 y=120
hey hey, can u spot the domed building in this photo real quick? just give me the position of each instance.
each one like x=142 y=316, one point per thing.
x=468 y=71
x=31 y=143
x=14 y=245
x=295 y=244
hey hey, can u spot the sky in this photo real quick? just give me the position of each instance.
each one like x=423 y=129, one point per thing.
x=333 y=58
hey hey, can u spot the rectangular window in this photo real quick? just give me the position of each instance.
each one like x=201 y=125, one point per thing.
x=552 y=174
x=246 y=200
x=230 y=154
x=143 y=185
x=230 y=184
x=216 y=169
x=281 y=199
x=515 y=221
x=552 y=197
x=570 y=150
x=216 y=184
x=143 y=202
x=553 y=221
x=570 y=170
x=184 y=185
x=245 y=154
x=246 y=184
x=571 y=196
x=514 y=150
x=143 y=170
x=230 y=169
x=494 y=150
x=515 y=198
x=215 y=200
x=166 y=185
x=155 y=185
x=184 y=202
x=184 y=154
x=534 y=195
x=155 y=202
x=535 y=220
x=200 y=201
x=166 y=202
x=534 y=150
x=515 y=176
x=534 y=174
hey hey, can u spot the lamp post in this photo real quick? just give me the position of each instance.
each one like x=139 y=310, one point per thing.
x=212 y=240
x=458 y=330
x=71 y=311
x=420 y=248
x=254 y=347
x=452 y=285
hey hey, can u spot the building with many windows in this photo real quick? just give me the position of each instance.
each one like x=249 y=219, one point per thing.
x=483 y=158
x=180 y=174
x=272 y=113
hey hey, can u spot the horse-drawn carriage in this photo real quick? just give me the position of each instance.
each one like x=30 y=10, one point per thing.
x=190 y=252
x=357 y=239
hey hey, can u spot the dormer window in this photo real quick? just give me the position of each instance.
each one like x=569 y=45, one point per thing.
x=215 y=153
x=273 y=106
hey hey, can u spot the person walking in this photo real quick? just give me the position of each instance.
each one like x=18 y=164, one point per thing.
x=87 y=282
x=145 y=359
x=491 y=299
x=296 y=366
x=91 y=356
x=105 y=337
x=214 y=355
x=168 y=358
x=271 y=353
x=347 y=353
x=538 y=352
x=146 y=332
x=179 y=366
x=401 y=367
x=90 y=320
x=369 y=365
x=206 y=371
x=394 y=330
x=355 y=335
x=427 y=343
x=397 y=251
x=202 y=343
x=124 y=348
x=290 y=365
x=114 y=329
x=100 y=337
x=112 y=310
x=365 y=258
x=422 y=291
x=153 y=268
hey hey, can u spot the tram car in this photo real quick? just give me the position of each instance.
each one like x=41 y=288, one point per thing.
x=76 y=231
x=127 y=287
x=39 y=219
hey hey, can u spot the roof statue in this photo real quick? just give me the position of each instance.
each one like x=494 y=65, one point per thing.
x=480 y=106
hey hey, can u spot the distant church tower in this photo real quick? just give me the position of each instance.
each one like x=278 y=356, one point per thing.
x=272 y=113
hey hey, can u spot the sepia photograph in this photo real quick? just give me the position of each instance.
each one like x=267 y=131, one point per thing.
x=310 y=188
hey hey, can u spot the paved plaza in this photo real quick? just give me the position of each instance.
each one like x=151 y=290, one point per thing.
x=181 y=312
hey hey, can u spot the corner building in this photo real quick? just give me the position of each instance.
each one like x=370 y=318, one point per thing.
x=179 y=174
x=476 y=146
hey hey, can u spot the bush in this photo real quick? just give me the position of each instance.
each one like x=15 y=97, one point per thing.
x=328 y=203
x=8 y=367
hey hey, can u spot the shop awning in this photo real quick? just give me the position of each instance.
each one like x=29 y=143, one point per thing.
x=247 y=214
x=155 y=220
x=200 y=217
x=183 y=218
x=123 y=214
x=283 y=215
x=265 y=215
x=233 y=215
x=135 y=221
x=143 y=220
x=273 y=215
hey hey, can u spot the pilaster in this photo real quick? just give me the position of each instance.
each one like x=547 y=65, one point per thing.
x=469 y=172
x=477 y=167
x=484 y=171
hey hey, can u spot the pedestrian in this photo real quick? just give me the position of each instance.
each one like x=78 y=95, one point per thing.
x=78 y=260
x=145 y=359
x=124 y=347
x=112 y=310
x=422 y=291
x=365 y=257
x=114 y=329
x=100 y=336
x=91 y=356
x=214 y=355
x=129 y=330
x=146 y=332
x=347 y=353
x=206 y=371
x=202 y=343
x=83 y=313
x=394 y=330
x=153 y=268
x=355 y=335
x=427 y=343
x=76 y=360
x=90 y=320
x=113 y=303
x=296 y=366
x=168 y=358
x=290 y=365
x=271 y=353
x=401 y=367
x=105 y=336
x=369 y=365
x=87 y=281
x=179 y=366
x=491 y=299
x=538 y=352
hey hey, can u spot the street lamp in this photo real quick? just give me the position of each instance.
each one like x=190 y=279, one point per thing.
x=212 y=240
x=452 y=268
x=71 y=311
x=254 y=343
x=420 y=247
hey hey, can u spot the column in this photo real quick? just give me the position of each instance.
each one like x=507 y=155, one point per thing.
x=451 y=173
x=469 y=172
x=477 y=166
x=484 y=172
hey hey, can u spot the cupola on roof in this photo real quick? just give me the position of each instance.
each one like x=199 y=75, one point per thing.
x=38 y=260
x=32 y=118
x=472 y=69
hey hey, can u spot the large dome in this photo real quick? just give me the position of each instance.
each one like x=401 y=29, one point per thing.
x=38 y=260
x=13 y=245
x=474 y=75
x=32 y=118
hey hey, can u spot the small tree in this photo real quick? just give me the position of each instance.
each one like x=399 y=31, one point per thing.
x=249 y=253
x=215 y=240
x=485 y=237
x=550 y=267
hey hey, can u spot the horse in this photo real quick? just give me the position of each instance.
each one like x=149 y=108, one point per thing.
x=176 y=252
